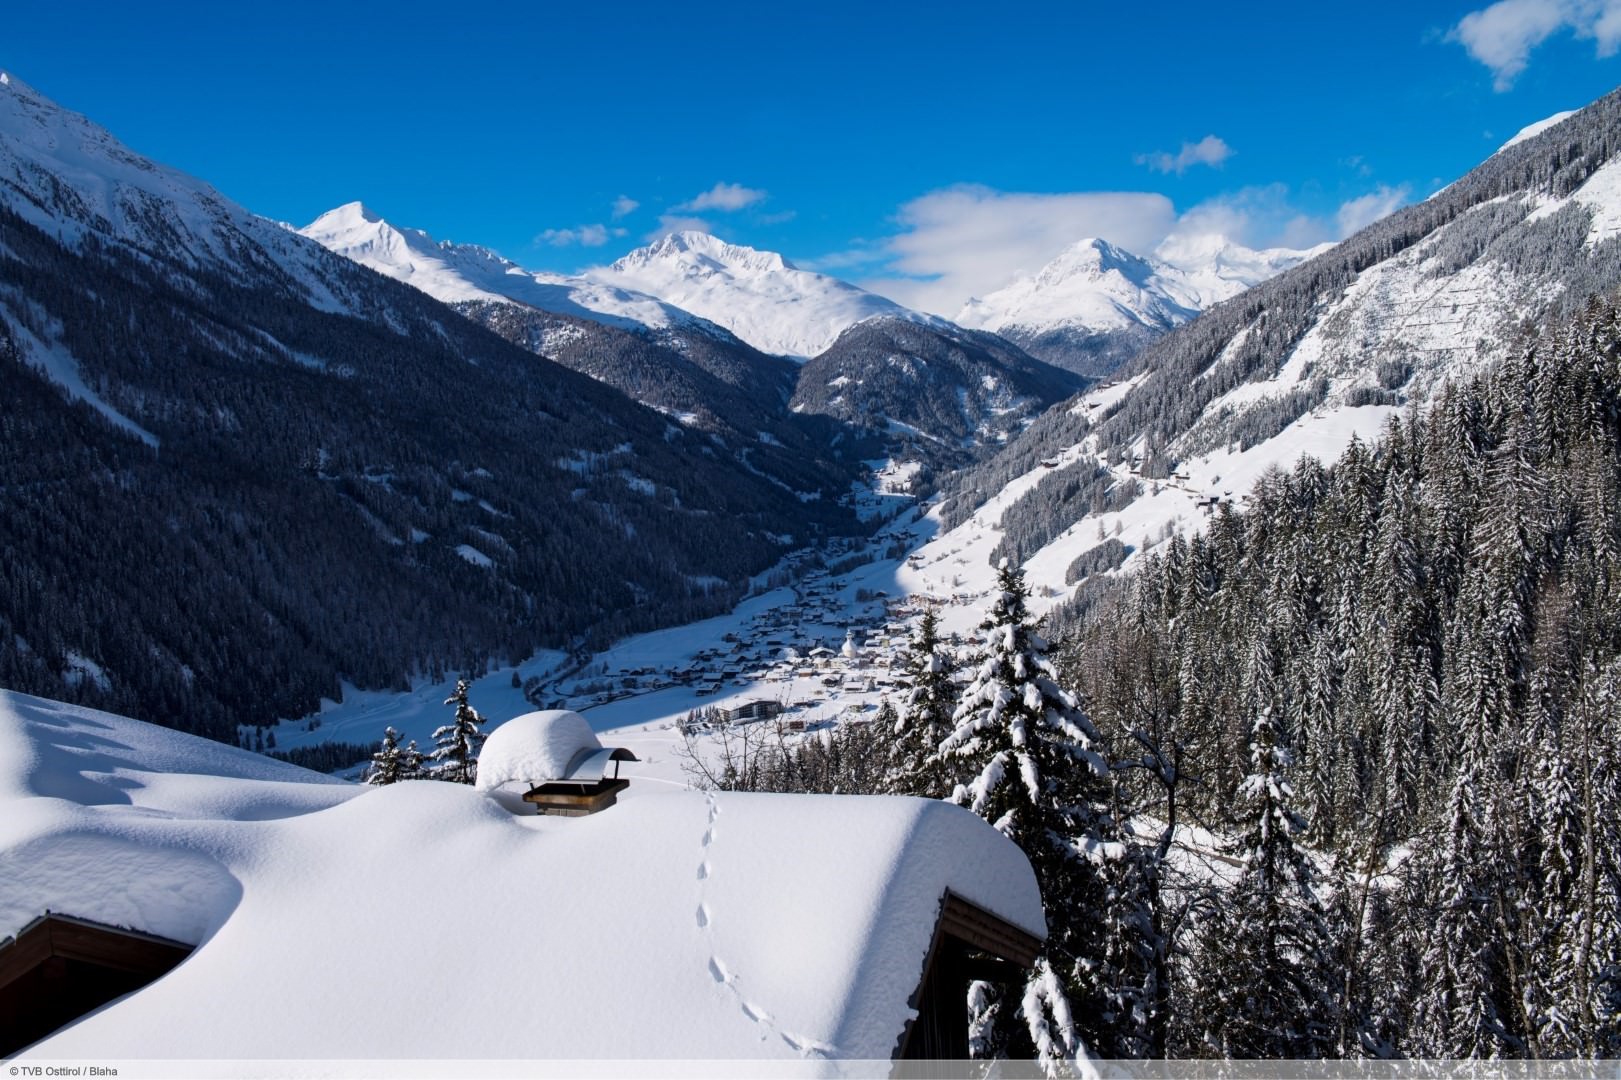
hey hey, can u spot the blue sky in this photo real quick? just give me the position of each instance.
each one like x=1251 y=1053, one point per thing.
x=930 y=150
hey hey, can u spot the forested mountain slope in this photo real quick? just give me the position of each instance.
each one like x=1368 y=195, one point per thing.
x=945 y=394
x=1325 y=351
x=712 y=383
x=1426 y=636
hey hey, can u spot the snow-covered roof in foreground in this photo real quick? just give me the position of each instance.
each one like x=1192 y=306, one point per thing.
x=426 y=919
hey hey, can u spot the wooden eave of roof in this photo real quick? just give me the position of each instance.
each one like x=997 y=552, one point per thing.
x=73 y=938
x=1007 y=951
x=59 y=967
x=987 y=932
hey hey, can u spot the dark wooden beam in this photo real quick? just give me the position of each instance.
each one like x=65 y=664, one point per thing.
x=987 y=931
x=110 y=947
x=29 y=949
x=969 y=943
x=58 y=968
x=979 y=968
x=575 y=800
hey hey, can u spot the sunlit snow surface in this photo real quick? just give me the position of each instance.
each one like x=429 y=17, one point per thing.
x=428 y=920
x=534 y=747
x=1096 y=286
x=757 y=295
x=459 y=272
x=76 y=180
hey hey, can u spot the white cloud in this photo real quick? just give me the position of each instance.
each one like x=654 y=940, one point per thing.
x=967 y=241
x=674 y=223
x=1359 y=164
x=1209 y=150
x=861 y=253
x=583 y=235
x=1502 y=35
x=1266 y=217
x=1258 y=217
x=723 y=197
x=1362 y=211
x=1606 y=29
x=624 y=206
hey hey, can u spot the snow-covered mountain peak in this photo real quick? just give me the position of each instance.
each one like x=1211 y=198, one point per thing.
x=354 y=230
x=1307 y=361
x=1198 y=249
x=1096 y=303
x=702 y=250
x=760 y=296
x=460 y=273
x=31 y=117
x=1217 y=267
x=1092 y=258
x=348 y=216
x=12 y=85
x=1092 y=283
x=49 y=135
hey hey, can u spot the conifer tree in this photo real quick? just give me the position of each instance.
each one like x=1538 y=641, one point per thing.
x=867 y=752
x=388 y=762
x=1266 y=972
x=457 y=743
x=1573 y=800
x=916 y=768
x=1459 y=1009
x=411 y=762
x=1036 y=773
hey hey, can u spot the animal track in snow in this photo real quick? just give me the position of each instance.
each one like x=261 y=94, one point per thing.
x=723 y=975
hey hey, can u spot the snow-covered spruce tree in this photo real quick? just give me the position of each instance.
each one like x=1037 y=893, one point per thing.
x=411 y=762
x=457 y=743
x=1585 y=972
x=1459 y=1006
x=915 y=766
x=1266 y=978
x=882 y=757
x=388 y=762
x=1036 y=773
x=1133 y=697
